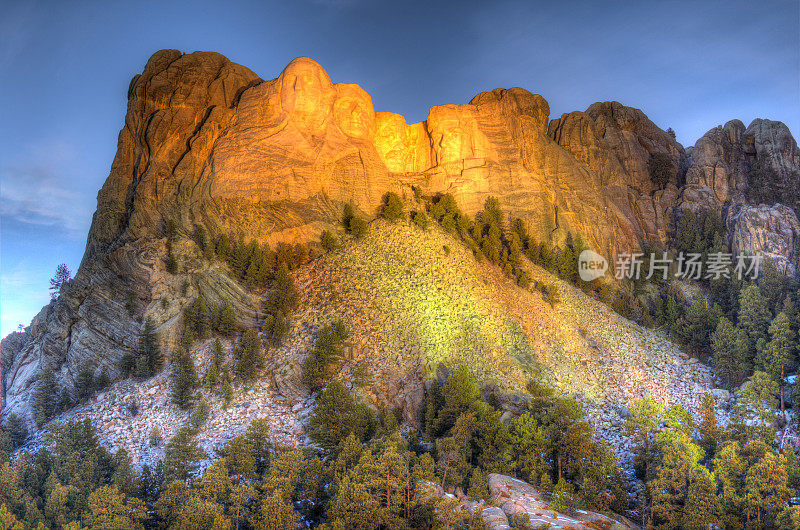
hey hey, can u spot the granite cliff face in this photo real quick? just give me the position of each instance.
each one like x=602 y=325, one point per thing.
x=208 y=142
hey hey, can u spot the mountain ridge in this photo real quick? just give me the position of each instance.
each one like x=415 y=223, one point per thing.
x=208 y=142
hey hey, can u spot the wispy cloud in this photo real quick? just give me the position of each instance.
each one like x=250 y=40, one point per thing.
x=38 y=190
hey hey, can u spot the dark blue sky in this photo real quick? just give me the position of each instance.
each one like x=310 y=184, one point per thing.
x=67 y=65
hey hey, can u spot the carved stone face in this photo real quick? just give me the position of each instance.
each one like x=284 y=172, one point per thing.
x=306 y=94
x=353 y=112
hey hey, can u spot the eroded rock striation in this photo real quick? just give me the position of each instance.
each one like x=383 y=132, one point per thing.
x=208 y=142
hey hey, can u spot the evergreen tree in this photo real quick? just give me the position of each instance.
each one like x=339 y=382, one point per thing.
x=84 y=384
x=764 y=182
x=45 y=397
x=106 y=507
x=552 y=294
x=327 y=351
x=8 y=521
x=703 y=509
x=59 y=280
x=546 y=485
x=353 y=507
x=170 y=262
x=710 y=429
x=753 y=414
x=420 y=219
x=670 y=486
x=276 y=514
x=258 y=435
x=392 y=208
x=329 y=241
x=696 y=327
x=227 y=320
x=249 y=358
x=358 y=227
x=780 y=350
x=661 y=169
x=199 y=414
x=15 y=430
x=754 y=315
x=337 y=415
x=788 y=519
x=731 y=352
x=226 y=388
x=184 y=378
x=182 y=455
x=766 y=487
x=478 y=486
x=563 y=499
x=215 y=367
x=148 y=356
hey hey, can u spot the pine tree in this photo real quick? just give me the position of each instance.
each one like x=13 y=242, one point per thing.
x=697 y=325
x=546 y=485
x=757 y=401
x=108 y=508
x=392 y=209
x=249 y=358
x=227 y=320
x=276 y=514
x=337 y=415
x=327 y=351
x=792 y=467
x=788 y=519
x=754 y=315
x=226 y=387
x=766 y=486
x=199 y=414
x=182 y=455
x=552 y=294
x=45 y=397
x=8 y=521
x=703 y=509
x=710 y=429
x=148 y=356
x=478 y=486
x=124 y=476
x=731 y=352
x=563 y=499
x=670 y=486
x=258 y=434
x=353 y=507
x=59 y=280
x=84 y=384
x=215 y=368
x=184 y=378
x=780 y=350
x=16 y=430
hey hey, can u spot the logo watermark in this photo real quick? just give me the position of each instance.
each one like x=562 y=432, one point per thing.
x=591 y=265
x=684 y=266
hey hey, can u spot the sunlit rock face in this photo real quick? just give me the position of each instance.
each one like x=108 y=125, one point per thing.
x=207 y=142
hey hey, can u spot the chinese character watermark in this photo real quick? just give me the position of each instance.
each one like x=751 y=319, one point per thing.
x=685 y=266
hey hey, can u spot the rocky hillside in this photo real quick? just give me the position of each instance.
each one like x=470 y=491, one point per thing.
x=414 y=302
x=207 y=142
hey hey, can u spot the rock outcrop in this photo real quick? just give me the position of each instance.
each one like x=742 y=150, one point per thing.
x=517 y=498
x=773 y=231
x=208 y=142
